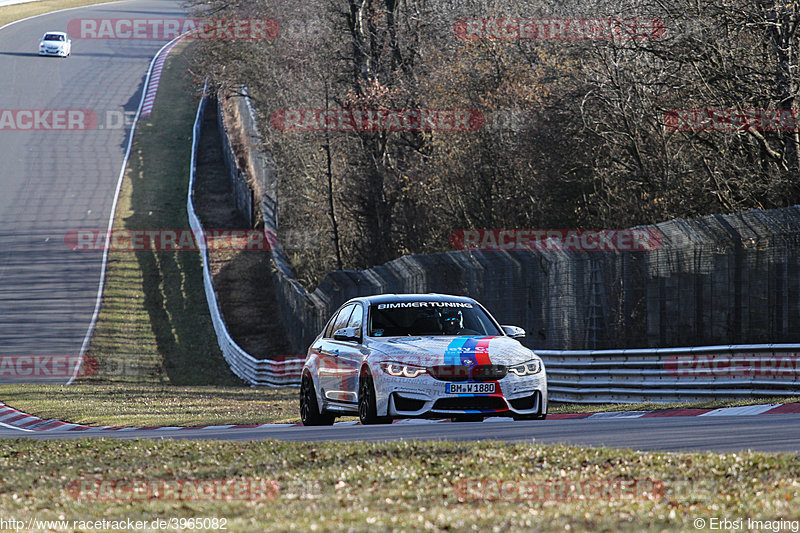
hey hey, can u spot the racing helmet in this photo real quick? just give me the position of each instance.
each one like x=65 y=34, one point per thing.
x=452 y=320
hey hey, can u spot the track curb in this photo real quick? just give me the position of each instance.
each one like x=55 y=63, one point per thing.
x=16 y=419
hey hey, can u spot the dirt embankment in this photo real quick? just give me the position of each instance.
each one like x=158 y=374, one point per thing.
x=243 y=279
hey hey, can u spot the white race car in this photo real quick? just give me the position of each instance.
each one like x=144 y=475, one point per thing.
x=419 y=355
x=55 y=43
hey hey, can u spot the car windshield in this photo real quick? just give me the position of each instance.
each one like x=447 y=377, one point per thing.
x=54 y=37
x=395 y=319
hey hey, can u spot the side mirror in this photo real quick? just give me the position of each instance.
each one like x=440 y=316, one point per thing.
x=514 y=332
x=348 y=334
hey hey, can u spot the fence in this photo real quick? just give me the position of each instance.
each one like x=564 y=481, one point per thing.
x=716 y=280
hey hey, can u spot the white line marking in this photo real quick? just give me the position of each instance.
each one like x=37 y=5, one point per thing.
x=618 y=414
x=741 y=411
x=14 y=427
x=64 y=427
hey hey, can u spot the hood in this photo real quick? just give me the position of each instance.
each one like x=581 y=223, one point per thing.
x=446 y=350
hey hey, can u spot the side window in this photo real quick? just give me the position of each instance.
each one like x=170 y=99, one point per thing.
x=356 y=318
x=329 y=328
x=342 y=318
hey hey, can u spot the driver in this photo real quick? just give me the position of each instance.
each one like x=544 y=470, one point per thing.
x=452 y=322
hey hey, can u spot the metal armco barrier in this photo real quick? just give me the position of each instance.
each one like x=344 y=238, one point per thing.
x=254 y=371
x=672 y=374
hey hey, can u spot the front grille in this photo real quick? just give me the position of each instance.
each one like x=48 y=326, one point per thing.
x=471 y=403
x=449 y=372
x=488 y=372
x=526 y=402
x=402 y=403
x=465 y=373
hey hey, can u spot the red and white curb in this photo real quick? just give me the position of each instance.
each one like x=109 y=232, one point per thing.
x=745 y=410
x=14 y=419
x=155 y=77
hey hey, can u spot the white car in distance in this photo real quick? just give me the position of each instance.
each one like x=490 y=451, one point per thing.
x=55 y=43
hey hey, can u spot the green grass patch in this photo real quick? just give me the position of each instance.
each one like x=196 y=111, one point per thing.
x=148 y=404
x=406 y=486
x=21 y=11
x=118 y=404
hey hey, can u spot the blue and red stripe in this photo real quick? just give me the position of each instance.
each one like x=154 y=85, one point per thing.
x=470 y=351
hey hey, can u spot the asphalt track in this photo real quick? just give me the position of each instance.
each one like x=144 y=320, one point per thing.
x=54 y=181
x=771 y=433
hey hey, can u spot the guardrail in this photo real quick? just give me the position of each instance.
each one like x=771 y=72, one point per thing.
x=672 y=374
x=254 y=371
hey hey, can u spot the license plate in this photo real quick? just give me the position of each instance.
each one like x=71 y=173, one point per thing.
x=469 y=388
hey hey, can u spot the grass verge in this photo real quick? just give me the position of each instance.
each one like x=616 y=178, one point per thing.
x=20 y=11
x=406 y=486
x=118 y=404
x=147 y=404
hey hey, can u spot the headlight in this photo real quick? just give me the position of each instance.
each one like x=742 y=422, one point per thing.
x=526 y=369
x=401 y=370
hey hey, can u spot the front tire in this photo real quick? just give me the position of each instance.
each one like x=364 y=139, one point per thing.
x=309 y=409
x=367 y=403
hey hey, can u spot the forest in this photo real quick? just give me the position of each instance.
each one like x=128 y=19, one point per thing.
x=394 y=123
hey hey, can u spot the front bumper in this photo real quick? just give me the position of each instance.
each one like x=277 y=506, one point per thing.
x=426 y=397
x=60 y=52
